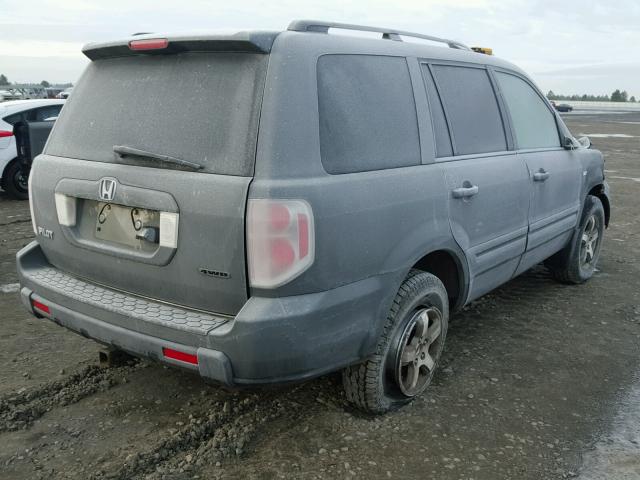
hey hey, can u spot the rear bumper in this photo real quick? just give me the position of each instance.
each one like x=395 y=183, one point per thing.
x=271 y=340
x=211 y=364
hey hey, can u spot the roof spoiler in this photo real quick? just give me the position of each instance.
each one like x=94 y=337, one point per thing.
x=387 y=33
x=249 y=42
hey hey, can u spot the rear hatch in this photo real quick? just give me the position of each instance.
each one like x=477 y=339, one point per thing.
x=143 y=184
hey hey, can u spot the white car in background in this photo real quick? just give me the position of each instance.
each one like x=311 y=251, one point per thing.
x=13 y=174
x=65 y=93
x=10 y=94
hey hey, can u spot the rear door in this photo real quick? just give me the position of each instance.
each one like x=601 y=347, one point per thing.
x=488 y=184
x=144 y=181
x=38 y=133
x=555 y=174
x=39 y=122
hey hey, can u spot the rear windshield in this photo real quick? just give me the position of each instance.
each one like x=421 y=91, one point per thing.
x=198 y=107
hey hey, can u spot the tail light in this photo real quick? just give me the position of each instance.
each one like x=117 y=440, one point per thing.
x=280 y=241
x=6 y=133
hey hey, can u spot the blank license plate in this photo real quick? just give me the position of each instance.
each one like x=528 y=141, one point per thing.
x=120 y=224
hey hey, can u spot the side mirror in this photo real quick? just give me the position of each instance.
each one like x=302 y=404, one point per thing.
x=584 y=142
x=570 y=143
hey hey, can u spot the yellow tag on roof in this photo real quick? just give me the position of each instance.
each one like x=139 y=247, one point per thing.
x=485 y=50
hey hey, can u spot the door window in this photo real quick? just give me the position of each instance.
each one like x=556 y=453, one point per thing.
x=472 y=109
x=533 y=123
x=440 y=128
x=44 y=113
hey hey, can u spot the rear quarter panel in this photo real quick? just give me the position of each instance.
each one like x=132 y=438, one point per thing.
x=7 y=154
x=366 y=224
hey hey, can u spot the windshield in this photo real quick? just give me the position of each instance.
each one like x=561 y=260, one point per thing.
x=199 y=107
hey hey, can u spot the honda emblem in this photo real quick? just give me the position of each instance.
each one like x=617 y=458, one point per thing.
x=107 y=189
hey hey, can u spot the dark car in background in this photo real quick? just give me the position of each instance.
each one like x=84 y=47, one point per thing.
x=562 y=107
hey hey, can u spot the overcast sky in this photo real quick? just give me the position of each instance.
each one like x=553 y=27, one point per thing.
x=569 y=46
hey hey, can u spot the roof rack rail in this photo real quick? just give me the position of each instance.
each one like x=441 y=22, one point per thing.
x=387 y=33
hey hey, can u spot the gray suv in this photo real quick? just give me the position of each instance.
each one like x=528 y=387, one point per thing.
x=271 y=206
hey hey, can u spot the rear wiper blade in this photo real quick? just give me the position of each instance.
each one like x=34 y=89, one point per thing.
x=123 y=150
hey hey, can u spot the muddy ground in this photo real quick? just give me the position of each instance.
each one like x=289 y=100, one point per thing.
x=537 y=382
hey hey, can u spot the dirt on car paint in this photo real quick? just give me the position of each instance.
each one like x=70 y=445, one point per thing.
x=532 y=382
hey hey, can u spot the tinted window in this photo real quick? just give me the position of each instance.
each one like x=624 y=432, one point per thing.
x=472 y=109
x=533 y=123
x=440 y=128
x=199 y=107
x=41 y=114
x=13 y=119
x=367 y=113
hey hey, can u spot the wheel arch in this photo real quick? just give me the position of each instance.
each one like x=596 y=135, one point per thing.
x=450 y=266
x=4 y=163
x=601 y=192
x=3 y=168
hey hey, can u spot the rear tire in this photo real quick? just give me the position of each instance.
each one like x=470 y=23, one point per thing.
x=15 y=182
x=576 y=263
x=408 y=350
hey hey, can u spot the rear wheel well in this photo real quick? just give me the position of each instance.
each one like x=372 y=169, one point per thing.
x=446 y=267
x=3 y=176
x=598 y=191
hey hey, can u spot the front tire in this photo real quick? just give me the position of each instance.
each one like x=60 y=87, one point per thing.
x=15 y=181
x=408 y=350
x=576 y=263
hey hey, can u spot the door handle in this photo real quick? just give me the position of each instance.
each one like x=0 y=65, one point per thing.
x=466 y=191
x=541 y=175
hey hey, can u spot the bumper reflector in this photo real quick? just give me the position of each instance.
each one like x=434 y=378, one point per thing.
x=180 y=356
x=40 y=307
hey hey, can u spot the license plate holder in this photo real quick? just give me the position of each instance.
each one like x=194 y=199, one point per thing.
x=122 y=224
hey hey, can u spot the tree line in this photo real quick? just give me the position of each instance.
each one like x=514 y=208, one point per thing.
x=4 y=82
x=616 y=96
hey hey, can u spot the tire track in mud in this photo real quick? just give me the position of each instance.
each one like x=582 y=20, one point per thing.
x=227 y=431
x=17 y=220
x=19 y=410
x=231 y=429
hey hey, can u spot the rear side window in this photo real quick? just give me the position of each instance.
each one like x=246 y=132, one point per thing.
x=367 y=113
x=472 y=109
x=533 y=123
x=13 y=119
x=200 y=107
x=440 y=128
x=46 y=113
x=43 y=113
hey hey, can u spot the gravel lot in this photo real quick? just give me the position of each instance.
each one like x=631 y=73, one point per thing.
x=539 y=381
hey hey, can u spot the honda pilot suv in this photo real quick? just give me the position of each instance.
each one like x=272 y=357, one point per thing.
x=272 y=206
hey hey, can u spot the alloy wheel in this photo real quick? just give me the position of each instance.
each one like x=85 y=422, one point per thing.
x=419 y=350
x=589 y=242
